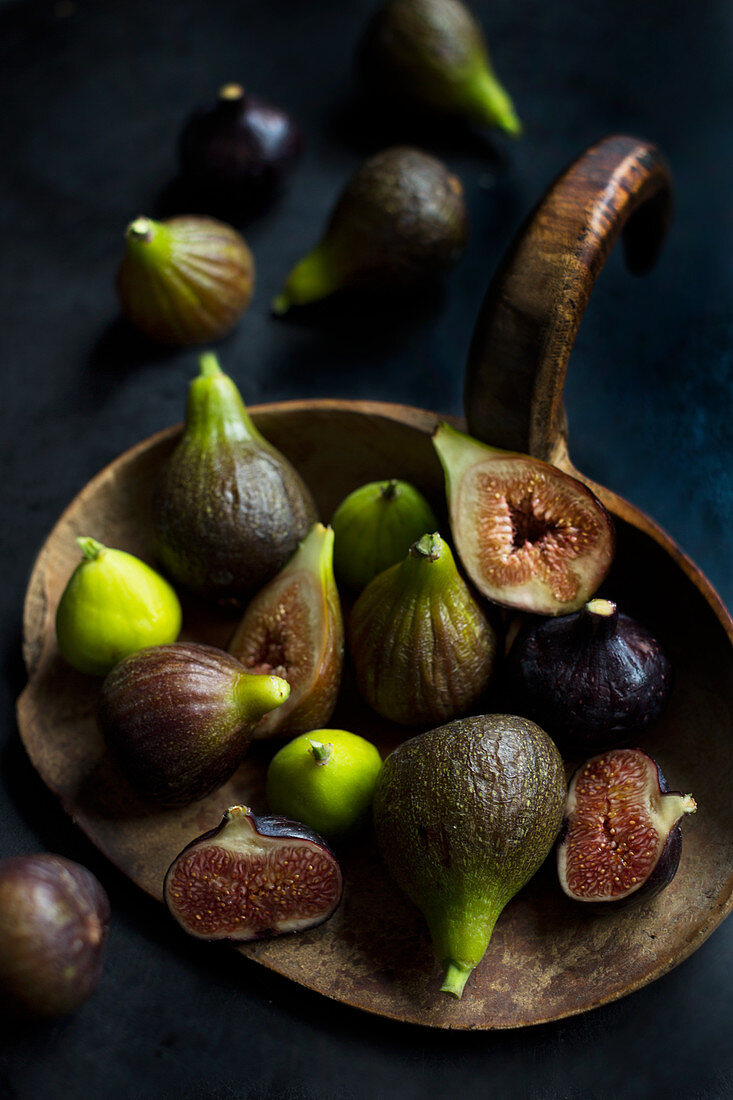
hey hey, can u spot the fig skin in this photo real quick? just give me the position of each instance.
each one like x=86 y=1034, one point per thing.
x=54 y=917
x=228 y=509
x=658 y=810
x=284 y=901
x=185 y=281
x=592 y=678
x=178 y=718
x=400 y=222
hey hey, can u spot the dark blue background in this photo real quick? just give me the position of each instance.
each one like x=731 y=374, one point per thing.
x=92 y=97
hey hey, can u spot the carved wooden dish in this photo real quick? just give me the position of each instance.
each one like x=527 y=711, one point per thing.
x=548 y=958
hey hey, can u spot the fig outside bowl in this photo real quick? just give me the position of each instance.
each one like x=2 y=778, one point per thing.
x=548 y=958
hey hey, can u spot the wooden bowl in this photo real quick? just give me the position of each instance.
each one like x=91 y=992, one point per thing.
x=548 y=958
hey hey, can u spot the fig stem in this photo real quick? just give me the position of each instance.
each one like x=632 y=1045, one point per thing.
x=456 y=976
x=314 y=277
x=231 y=92
x=492 y=105
x=389 y=490
x=321 y=753
x=141 y=229
x=90 y=548
x=429 y=546
x=209 y=365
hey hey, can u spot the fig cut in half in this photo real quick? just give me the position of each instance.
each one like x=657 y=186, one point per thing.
x=529 y=536
x=621 y=839
x=253 y=877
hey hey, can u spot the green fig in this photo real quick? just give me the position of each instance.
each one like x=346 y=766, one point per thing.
x=374 y=526
x=464 y=816
x=432 y=54
x=228 y=509
x=423 y=650
x=294 y=628
x=178 y=718
x=400 y=221
x=113 y=604
x=185 y=281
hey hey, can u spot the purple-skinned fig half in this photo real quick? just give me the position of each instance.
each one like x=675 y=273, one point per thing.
x=253 y=877
x=621 y=839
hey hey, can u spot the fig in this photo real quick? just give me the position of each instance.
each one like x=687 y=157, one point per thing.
x=432 y=54
x=112 y=605
x=401 y=221
x=178 y=718
x=186 y=280
x=228 y=509
x=591 y=678
x=294 y=628
x=529 y=536
x=423 y=650
x=621 y=839
x=252 y=877
x=239 y=150
x=54 y=916
x=374 y=526
x=464 y=816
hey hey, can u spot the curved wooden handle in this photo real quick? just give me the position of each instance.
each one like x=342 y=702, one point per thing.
x=533 y=308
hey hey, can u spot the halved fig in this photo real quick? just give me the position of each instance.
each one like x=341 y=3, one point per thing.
x=620 y=838
x=252 y=877
x=529 y=535
x=294 y=628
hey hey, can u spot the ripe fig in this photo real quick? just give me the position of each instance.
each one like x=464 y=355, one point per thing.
x=529 y=536
x=621 y=839
x=54 y=917
x=374 y=526
x=591 y=678
x=178 y=718
x=113 y=604
x=240 y=149
x=294 y=628
x=252 y=877
x=400 y=222
x=186 y=280
x=464 y=816
x=422 y=648
x=228 y=508
x=432 y=54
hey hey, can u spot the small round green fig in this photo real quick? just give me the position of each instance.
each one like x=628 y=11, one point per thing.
x=374 y=526
x=432 y=54
x=401 y=221
x=464 y=816
x=185 y=281
x=113 y=604
x=423 y=650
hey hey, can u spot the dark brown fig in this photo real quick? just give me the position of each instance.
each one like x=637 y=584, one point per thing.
x=621 y=840
x=422 y=648
x=400 y=222
x=186 y=280
x=240 y=149
x=294 y=628
x=592 y=678
x=54 y=917
x=179 y=718
x=529 y=536
x=252 y=877
x=228 y=509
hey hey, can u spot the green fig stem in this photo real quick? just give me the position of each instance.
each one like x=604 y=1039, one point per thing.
x=215 y=408
x=257 y=694
x=209 y=365
x=315 y=553
x=321 y=753
x=456 y=976
x=389 y=490
x=429 y=546
x=491 y=105
x=141 y=229
x=316 y=276
x=90 y=548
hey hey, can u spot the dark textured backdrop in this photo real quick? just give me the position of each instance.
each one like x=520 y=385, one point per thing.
x=92 y=96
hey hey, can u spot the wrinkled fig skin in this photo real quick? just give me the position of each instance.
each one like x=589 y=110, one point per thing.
x=464 y=816
x=170 y=716
x=590 y=679
x=54 y=917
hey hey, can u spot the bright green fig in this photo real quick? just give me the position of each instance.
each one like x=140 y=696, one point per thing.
x=185 y=281
x=374 y=526
x=400 y=222
x=423 y=650
x=294 y=628
x=113 y=604
x=464 y=816
x=228 y=509
x=529 y=535
x=432 y=54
